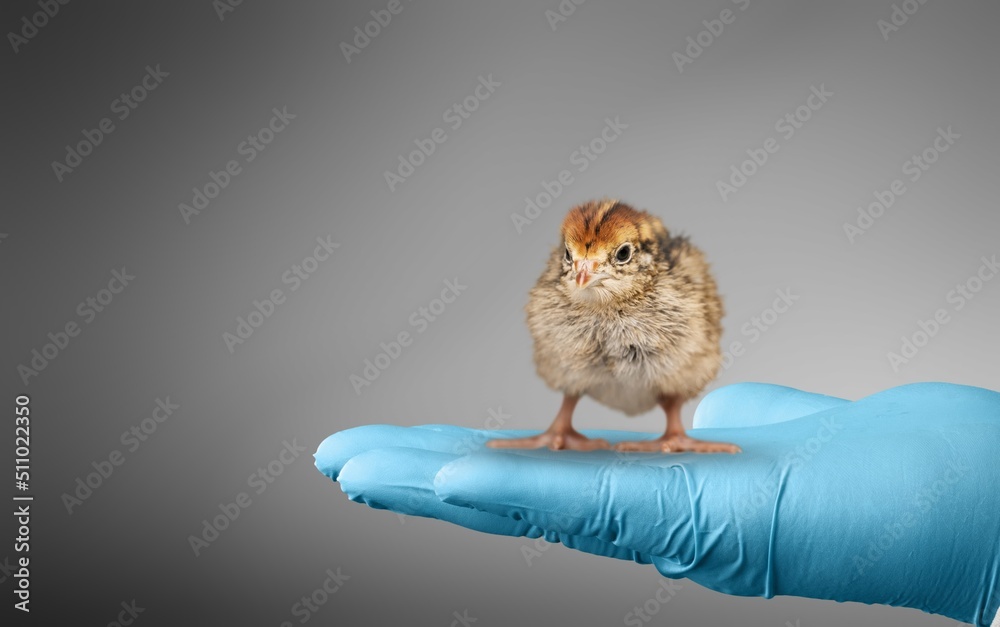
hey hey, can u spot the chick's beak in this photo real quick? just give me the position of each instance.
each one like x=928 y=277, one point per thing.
x=586 y=270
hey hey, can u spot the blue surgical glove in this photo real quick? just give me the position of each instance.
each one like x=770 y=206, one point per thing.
x=892 y=499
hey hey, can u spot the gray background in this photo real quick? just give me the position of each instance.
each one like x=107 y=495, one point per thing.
x=323 y=175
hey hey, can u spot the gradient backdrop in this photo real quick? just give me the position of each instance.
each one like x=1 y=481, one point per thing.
x=216 y=81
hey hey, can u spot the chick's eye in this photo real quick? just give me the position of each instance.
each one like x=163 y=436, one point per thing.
x=568 y=256
x=624 y=253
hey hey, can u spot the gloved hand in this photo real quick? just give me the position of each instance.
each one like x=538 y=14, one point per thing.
x=892 y=499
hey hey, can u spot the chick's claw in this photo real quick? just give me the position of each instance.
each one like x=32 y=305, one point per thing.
x=571 y=440
x=676 y=444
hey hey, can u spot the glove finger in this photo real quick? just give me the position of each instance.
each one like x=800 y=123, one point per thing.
x=337 y=449
x=402 y=480
x=756 y=404
x=644 y=508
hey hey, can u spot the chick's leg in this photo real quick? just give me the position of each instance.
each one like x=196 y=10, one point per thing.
x=560 y=435
x=675 y=440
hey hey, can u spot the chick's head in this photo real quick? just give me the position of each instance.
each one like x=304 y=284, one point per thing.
x=610 y=252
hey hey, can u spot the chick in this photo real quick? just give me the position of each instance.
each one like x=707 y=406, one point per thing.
x=628 y=315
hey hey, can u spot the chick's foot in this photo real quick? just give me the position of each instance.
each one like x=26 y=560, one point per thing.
x=676 y=444
x=556 y=440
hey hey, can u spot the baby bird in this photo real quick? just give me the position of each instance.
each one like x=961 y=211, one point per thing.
x=628 y=315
